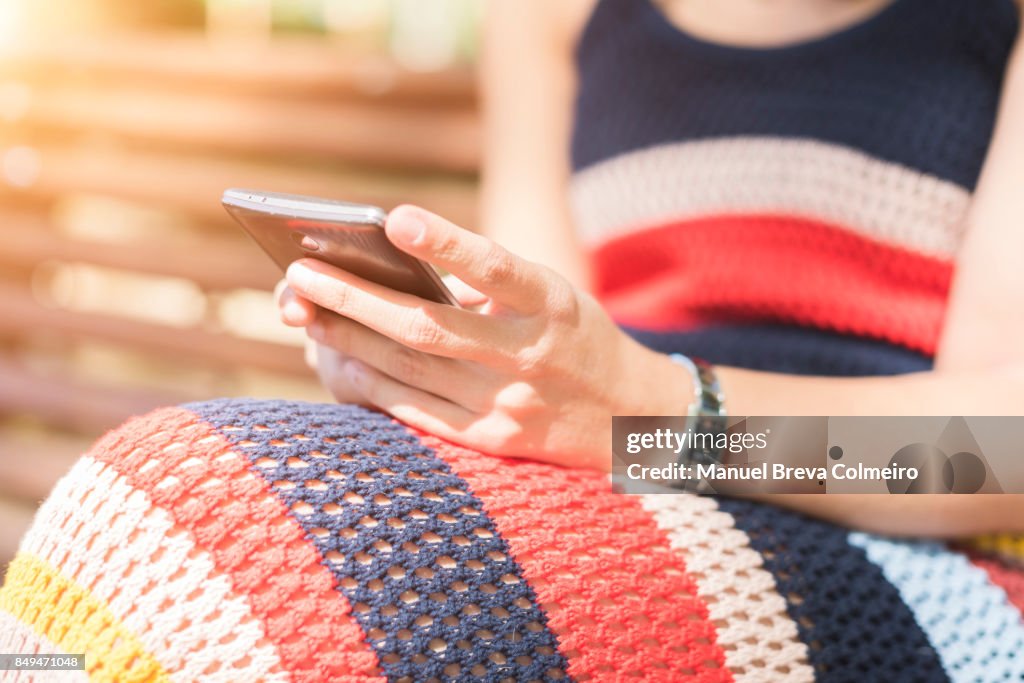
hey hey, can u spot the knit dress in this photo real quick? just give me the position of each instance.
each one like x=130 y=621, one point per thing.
x=793 y=209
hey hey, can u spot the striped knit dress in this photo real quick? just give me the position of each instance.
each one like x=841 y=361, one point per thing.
x=794 y=209
x=242 y=540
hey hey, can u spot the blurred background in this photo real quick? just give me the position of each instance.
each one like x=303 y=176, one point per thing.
x=123 y=284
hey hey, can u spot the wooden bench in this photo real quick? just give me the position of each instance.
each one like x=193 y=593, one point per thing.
x=161 y=125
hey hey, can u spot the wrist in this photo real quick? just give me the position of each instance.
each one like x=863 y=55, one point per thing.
x=658 y=386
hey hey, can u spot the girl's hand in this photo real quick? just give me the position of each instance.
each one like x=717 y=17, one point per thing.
x=536 y=369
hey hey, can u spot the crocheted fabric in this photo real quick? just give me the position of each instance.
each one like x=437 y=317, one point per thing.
x=762 y=196
x=272 y=541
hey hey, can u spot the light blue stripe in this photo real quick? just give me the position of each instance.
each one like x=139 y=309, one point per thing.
x=970 y=622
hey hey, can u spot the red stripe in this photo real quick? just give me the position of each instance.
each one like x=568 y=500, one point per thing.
x=618 y=598
x=770 y=268
x=245 y=527
x=1010 y=579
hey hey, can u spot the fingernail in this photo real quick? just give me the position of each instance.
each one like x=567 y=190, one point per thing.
x=316 y=330
x=410 y=229
x=300 y=276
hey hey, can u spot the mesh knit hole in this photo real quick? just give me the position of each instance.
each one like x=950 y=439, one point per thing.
x=333 y=474
x=446 y=562
x=296 y=463
x=363 y=558
x=418 y=515
x=404 y=634
x=315 y=485
x=461 y=541
x=301 y=507
x=396 y=523
x=284 y=484
x=363 y=477
x=353 y=498
x=348 y=533
x=431 y=537
x=409 y=597
x=382 y=546
x=368 y=522
x=471 y=610
x=376 y=634
x=381 y=499
x=424 y=621
x=446 y=518
x=319 y=532
x=390 y=611
x=334 y=557
x=424 y=573
x=455 y=491
x=397 y=573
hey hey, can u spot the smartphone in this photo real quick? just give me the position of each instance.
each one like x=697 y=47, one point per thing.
x=349 y=236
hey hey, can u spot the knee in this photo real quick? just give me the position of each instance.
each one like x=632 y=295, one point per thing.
x=175 y=546
x=253 y=540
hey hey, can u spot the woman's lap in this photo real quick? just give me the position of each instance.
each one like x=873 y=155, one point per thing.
x=248 y=540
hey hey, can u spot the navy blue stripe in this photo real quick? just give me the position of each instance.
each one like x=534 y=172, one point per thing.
x=422 y=565
x=919 y=86
x=854 y=622
x=792 y=350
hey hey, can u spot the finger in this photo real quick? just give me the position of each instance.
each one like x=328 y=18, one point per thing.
x=422 y=325
x=294 y=310
x=463 y=293
x=311 y=354
x=409 y=404
x=482 y=264
x=444 y=377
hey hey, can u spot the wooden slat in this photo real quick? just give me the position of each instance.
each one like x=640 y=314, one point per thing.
x=20 y=315
x=283 y=66
x=16 y=516
x=31 y=465
x=403 y=137
x=213 y=263
x=85 y=407
x=194 y=184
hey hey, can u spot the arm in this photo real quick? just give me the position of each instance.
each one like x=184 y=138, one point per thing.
x=528 y=83
x=985 y=321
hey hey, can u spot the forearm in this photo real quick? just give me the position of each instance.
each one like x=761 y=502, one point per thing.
x=995 y=392
x=927 y=516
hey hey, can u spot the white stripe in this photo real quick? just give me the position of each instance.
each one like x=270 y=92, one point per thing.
x=880 y=200
x=108 y=537
x=970 y=622
x=759 y=638
x=17 y=637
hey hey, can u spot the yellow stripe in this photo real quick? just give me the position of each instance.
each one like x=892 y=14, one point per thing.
x=75 y=621
x=1010 y=546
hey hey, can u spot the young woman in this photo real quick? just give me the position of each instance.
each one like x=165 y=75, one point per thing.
x=816 y=196
x=783 y=188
